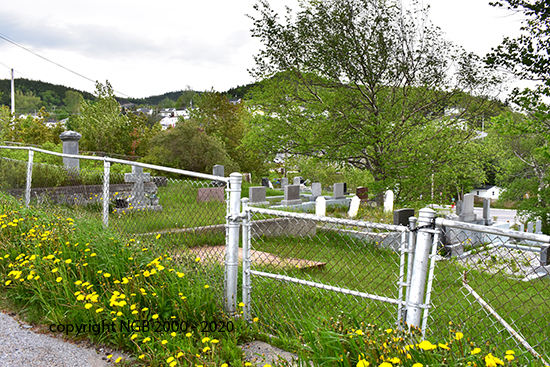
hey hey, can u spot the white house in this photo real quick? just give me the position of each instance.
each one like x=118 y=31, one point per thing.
x=487 y=191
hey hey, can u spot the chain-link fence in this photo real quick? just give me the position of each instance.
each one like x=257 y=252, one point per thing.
x=174 y=213
x=493 y=285
x=302 y=264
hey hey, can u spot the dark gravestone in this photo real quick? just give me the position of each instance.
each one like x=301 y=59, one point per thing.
x=362 y=193
x=265 y=181
x=345 y=188
x=160 y=180
x=401 y=216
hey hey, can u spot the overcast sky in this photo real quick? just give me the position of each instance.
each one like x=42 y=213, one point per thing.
x=146 y=48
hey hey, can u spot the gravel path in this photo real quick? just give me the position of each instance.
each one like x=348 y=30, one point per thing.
x=20 y=346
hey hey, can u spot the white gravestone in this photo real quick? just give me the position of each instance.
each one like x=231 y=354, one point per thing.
x=354 y=206
x=137 y=195
x=320 y=206
x=388 y=201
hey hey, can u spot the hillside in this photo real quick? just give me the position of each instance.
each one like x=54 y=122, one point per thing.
x=54 y=94
x=38 y=88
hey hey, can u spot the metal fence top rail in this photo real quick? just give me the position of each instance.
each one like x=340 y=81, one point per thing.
x=340 y=221
x=493 y=230
x=122 y=161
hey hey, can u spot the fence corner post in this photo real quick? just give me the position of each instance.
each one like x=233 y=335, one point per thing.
x=420 y=268
x=232 y=245
x=29 y=178
x=106 y=194
x=246 y=260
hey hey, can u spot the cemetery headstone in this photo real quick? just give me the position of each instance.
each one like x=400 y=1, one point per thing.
x=521 y=227
x=530 y=227
x=345 y=188
x=538 y=227
x=338 y=191
x=354 y=207
x=458 y=207
x=160 y=180
x=284 y=182
x=321 y=206
x=257 y=195
x=487 y=212
x=247 y=177
x=265 y=181
x=292 y=195
x=316 y=191
x=218 y=170
x=297 y=181
x=362 y=193
x=467 y=213
x=70 y=146
x=388 y=201
x=211 y=194
x=138 y=177
x=401 y=216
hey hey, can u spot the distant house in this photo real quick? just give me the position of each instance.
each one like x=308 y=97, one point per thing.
x=235 y=101
x=170 y=120
x=145 y=111
x=487 y=191
x=165 y=112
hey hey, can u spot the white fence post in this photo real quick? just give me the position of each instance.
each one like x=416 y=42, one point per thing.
x=29 y=179
x=232 y=246
x=106 y=194
x=246 y=260
x=420 y=268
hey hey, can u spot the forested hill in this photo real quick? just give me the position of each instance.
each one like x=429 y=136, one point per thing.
x=46 y=91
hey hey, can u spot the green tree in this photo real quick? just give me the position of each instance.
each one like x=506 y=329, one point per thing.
x=104 y=128
x=186 y=98
x=27 y=102
x=73 y=101
x=365 y=83
x=187 y=146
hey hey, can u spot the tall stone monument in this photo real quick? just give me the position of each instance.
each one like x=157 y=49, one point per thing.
x=70 y=146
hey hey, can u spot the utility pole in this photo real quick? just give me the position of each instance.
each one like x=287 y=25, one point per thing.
x=12 y=94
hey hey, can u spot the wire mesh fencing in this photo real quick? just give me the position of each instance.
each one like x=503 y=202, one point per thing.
x=305 y=267
x=173 y=213
x=493 y=285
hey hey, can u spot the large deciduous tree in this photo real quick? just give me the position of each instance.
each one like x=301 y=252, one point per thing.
x=367 y=83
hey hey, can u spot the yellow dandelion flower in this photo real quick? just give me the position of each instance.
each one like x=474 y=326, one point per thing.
x=164 y=342
x=459 y=336
x=158 y=236
x=88 y=306
x=58 y=279
x=475 y=351
x=362 y=363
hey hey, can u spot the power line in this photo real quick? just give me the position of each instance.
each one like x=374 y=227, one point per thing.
x=7 y=39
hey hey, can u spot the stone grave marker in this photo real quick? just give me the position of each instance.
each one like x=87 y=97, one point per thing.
x=265 y=181
x=401 y=216
x=218 y=170
x=247 y=177
x=345 y=188
x=530 y=227
x=284 y=182
x=338 y=191
x=458 y=207
x=257 y=195
x=297 y=181
x=388 y=201
x=138 y=177
x=211 y=194
x=538 y=227
x=321 y=206
x=70 y=146
x=354 y=206
x=316 y=191
x=487 y=212
x=362 y=193
x=292 y=195
x=467 y=212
